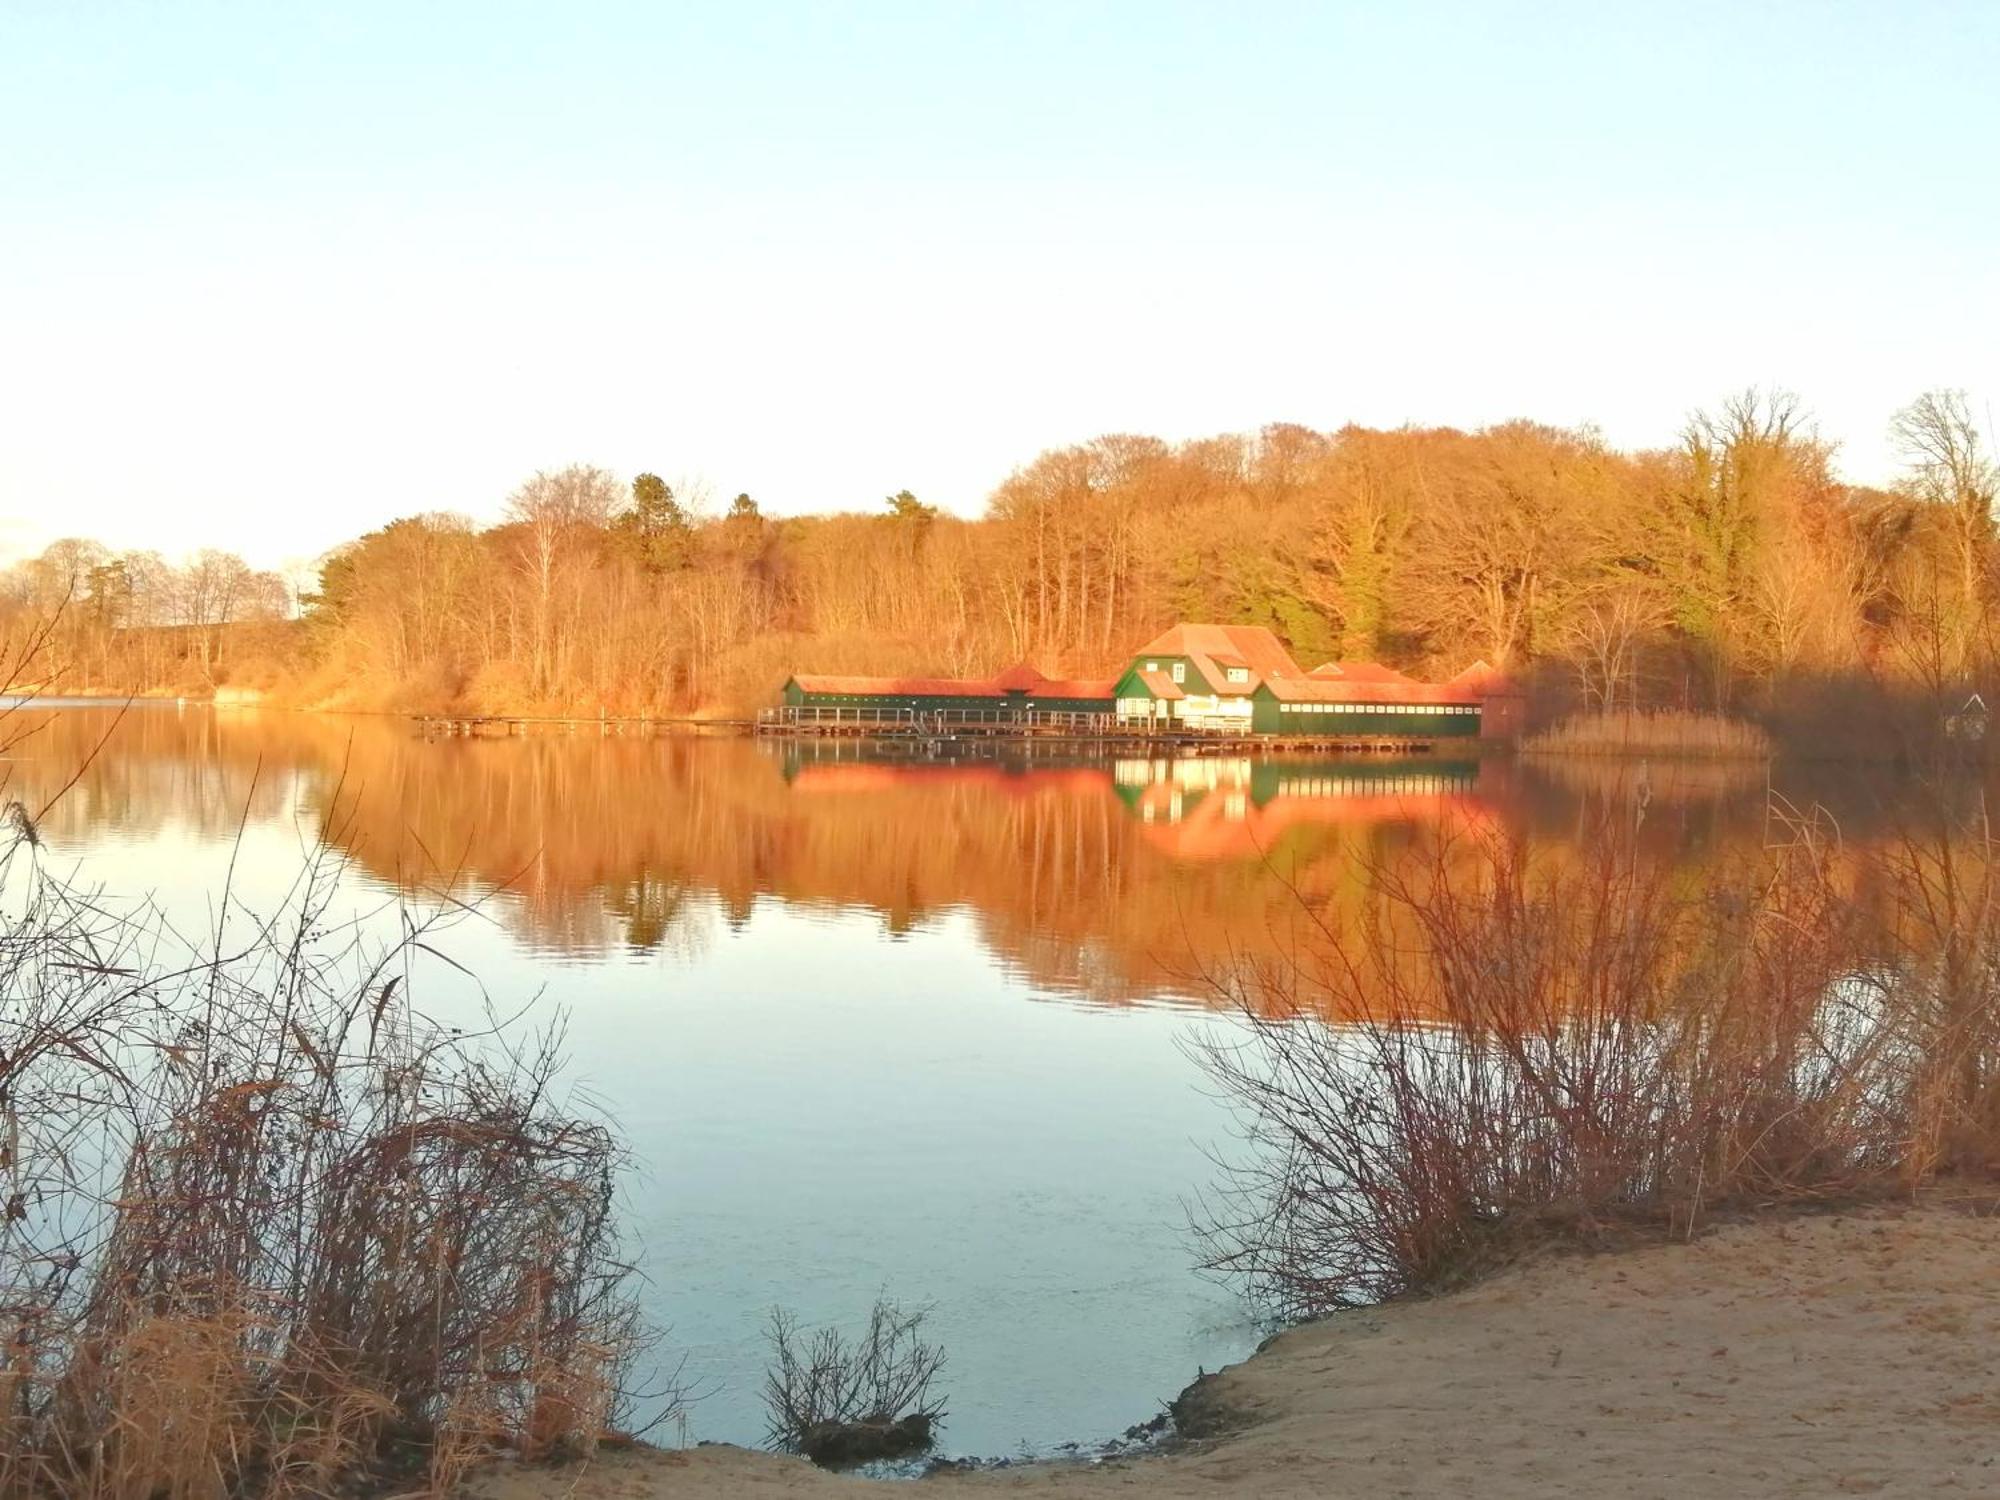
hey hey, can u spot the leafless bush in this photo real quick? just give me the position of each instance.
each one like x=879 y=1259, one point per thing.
x=1525 y=1048
x=839 y=1399
x=267 y=1228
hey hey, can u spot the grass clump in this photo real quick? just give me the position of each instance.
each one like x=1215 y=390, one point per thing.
x=1665 y=732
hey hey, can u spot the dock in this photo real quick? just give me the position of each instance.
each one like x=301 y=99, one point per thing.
x=935 y=728
x=506 y=726
x=946 y=727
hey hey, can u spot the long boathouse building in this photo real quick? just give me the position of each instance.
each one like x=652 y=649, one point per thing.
x=1207 y=681
x=1019 y=690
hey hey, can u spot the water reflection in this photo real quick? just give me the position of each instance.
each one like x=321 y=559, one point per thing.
x=1107 y=879
x=1238 y=808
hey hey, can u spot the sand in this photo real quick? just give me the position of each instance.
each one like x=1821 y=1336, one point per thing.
x=1840 y=1354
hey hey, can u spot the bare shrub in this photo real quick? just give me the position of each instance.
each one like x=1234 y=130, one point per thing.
x=269 y=1230
x=839 y=1399
x=1533 y=1047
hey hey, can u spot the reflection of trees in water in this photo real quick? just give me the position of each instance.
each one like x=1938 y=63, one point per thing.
x=1622 y=782
x=603 y=845
x=164 y=769
x=667 y=914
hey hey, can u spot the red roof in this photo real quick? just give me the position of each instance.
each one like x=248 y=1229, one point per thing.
x=1486 y=680
x=896 y=687
x=1053 y=688
x=1022 y=679
x=1359 y=671
x=1214 y=648
x=1160 y=685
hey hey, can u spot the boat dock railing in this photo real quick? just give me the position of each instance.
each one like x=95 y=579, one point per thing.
x=1070 y=726
x=863 y=719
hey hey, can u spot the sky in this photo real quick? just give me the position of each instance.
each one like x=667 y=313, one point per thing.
x=274 y=275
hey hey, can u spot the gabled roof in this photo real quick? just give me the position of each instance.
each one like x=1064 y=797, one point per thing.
x=1160 y=685
x=1215 y=648
x=1251 y=646
x=1484 y=678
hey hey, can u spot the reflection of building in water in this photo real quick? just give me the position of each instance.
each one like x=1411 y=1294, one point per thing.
x=1225 y=807
x=1165 y=790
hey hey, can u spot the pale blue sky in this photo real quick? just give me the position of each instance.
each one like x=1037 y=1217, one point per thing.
x=273 y=274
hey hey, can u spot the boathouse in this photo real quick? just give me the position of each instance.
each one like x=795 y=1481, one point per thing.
x=1226 y=680
x=1020 y=689
x=1240 y=679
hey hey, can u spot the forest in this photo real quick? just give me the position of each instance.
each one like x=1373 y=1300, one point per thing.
x=1733 y=571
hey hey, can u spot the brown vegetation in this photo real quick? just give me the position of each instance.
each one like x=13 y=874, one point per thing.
x=1652 y=732
x=842 y=1401
x=1616 y=1046
x=269 y=1231
x=1732 y=572
x=94 y=621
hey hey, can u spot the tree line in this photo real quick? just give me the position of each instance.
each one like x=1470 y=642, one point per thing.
x=135 y=622
x=1732 y=570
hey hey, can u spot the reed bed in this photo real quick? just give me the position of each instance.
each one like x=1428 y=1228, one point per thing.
x=268 y=1231
x=1660 y=732
x=1616 y=1050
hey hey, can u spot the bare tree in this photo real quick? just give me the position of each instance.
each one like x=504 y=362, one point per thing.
x=553 y=512
x=1604 y=636
x=1950 y=468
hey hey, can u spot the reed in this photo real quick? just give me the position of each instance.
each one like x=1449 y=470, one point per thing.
x=1661 y=732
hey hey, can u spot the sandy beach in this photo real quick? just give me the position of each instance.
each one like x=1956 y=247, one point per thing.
x=1850 y=1353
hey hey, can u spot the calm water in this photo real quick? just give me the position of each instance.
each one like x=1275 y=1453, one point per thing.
x=864 y=1023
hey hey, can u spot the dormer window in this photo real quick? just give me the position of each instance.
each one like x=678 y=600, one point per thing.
x=1239 y=674
x=1180 y=671
x=1152 y=666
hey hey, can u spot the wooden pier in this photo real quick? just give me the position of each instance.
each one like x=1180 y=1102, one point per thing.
x=938 y=728
x=945 y=727
x=507 y=726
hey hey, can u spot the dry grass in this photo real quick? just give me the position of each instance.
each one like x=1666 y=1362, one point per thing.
x=1618 y=1048
x=1665 y=732
x=269 y=1232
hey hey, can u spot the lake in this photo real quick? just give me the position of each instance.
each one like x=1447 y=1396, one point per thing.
x=866 y=1021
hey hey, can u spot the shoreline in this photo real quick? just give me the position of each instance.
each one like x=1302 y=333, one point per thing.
x=1785 y=1353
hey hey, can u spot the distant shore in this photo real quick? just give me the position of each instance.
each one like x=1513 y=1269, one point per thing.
x=1788 y=1355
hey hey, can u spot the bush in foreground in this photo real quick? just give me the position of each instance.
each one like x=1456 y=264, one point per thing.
x=844 y=1401
x=269 y=1231
x=1555 y=1047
